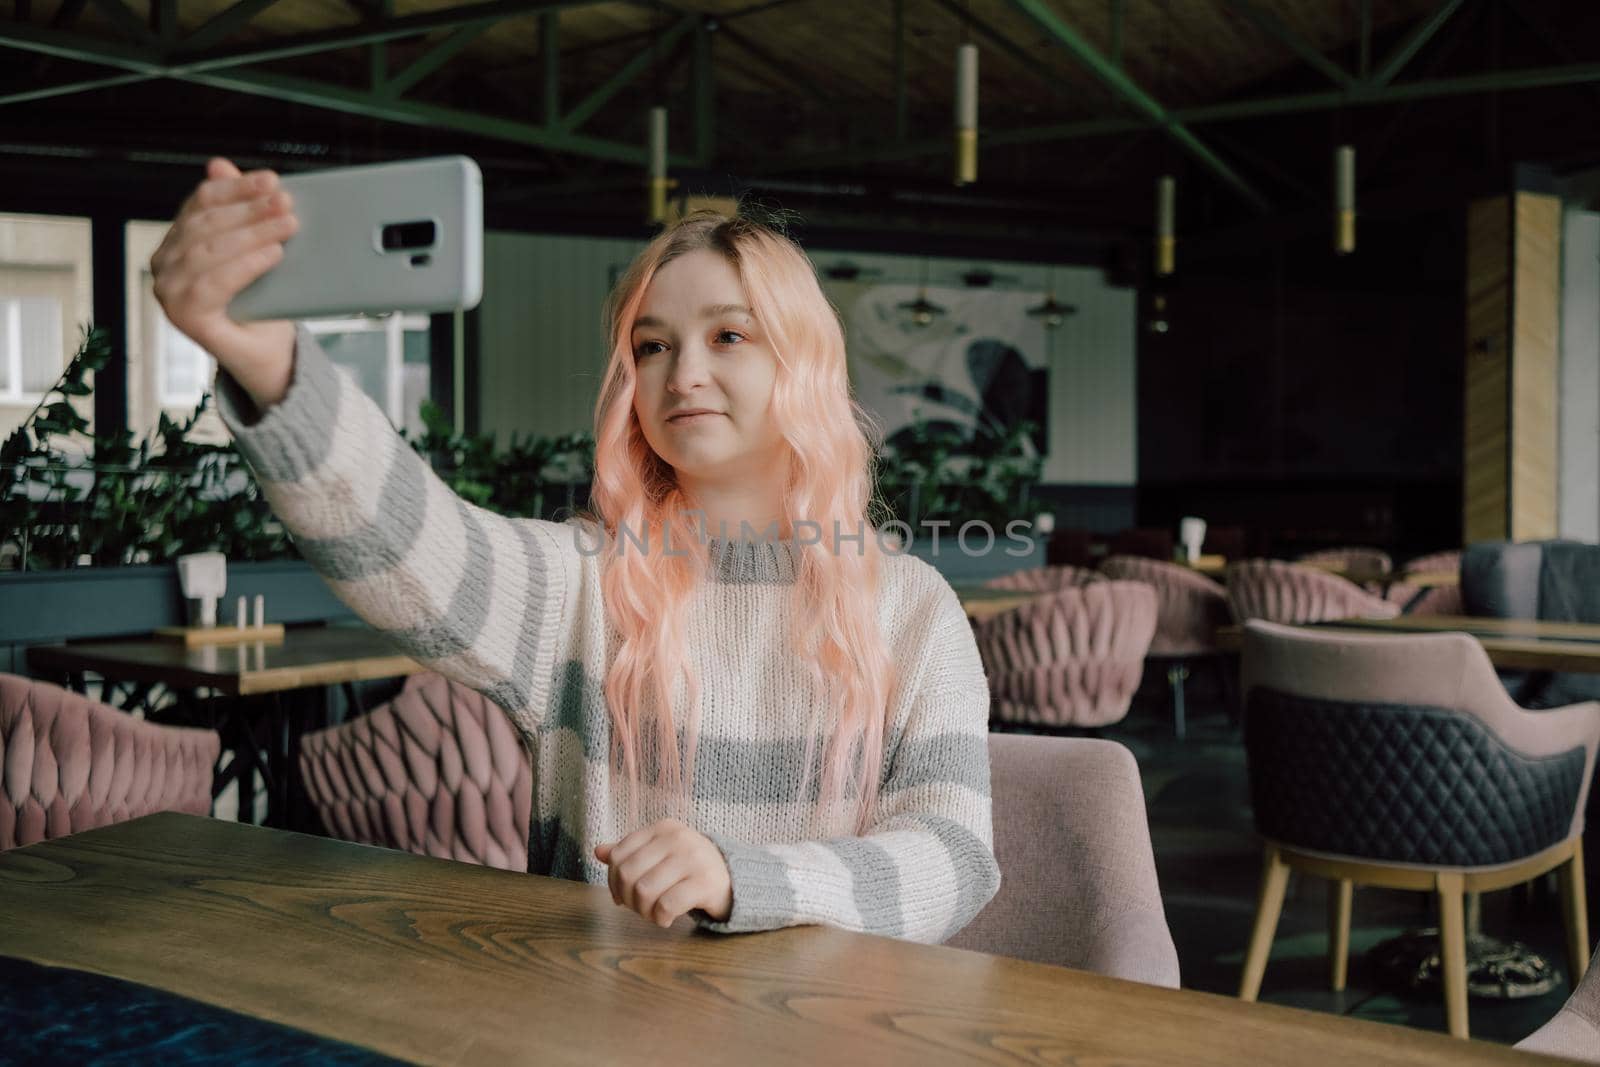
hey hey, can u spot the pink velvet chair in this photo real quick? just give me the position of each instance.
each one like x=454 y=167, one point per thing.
x=1046 y=579
x=68 y=763
x=1434 y=600
x=439 y=771
x=1574 y=1033
x=1077 y=875
x=1189 y=608
x=1072 y=658
x=1285 y=592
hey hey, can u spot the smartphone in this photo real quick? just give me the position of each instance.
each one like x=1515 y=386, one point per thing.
x=404 y=236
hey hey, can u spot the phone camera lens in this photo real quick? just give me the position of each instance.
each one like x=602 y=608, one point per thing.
x=407 y=236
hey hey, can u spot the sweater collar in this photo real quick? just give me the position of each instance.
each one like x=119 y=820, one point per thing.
x=742 y=562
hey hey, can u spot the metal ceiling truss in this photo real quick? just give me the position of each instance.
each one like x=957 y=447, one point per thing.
x=203 y=57
x=199 y=58
x=1378 y=89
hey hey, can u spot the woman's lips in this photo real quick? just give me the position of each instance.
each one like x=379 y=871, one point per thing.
x=694 y=420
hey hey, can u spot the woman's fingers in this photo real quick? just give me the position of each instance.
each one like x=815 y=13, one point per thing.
x=631 y=871
x=655 y=883
x=214 y=289
x=217 y=167
x=220 y=247
x=679 y=899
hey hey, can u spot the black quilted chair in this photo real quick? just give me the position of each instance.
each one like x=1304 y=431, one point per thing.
x=1399 y=761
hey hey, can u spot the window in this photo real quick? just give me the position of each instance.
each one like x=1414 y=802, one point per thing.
x=389 y=358
x=184 y=369
x=32 y=351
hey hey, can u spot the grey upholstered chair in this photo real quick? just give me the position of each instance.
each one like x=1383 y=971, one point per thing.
x=1575 y=1031
x=1077 y=876
x=1398 y=760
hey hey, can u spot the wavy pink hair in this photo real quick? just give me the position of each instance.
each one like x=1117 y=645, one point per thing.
x=828 y=477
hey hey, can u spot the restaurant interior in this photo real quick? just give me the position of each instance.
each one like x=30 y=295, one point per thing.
x=1236 y=365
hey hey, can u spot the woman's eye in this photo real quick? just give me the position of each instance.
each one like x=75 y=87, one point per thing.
x=645 y=348
x=729 y=333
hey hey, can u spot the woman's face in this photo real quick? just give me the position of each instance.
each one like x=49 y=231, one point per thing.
x=696 y=348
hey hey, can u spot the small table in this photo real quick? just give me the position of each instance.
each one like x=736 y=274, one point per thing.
x=307 y=658
x=440 y=962
x=981 y=602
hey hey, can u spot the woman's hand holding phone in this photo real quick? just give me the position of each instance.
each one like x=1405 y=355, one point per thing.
x=227 y=234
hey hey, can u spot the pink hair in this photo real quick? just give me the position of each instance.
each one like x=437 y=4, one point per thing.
x=831 y=445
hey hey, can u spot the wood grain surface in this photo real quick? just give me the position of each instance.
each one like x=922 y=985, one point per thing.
x=1515 y=644
x=305 y=657
x=451 y=963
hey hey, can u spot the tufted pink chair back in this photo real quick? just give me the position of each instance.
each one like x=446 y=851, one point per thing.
x=439 y=771
x=68 y=763
x=1284 y=592
x=1189 y=606
x=1073 y=658
x=1438 y=600
x=1045 y=579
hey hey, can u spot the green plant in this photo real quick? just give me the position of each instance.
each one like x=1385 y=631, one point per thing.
x=517 y=481
x=68 y=497
x=935 y=472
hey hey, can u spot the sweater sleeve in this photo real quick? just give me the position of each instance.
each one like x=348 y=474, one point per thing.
x=926 y=867
x=475 y=596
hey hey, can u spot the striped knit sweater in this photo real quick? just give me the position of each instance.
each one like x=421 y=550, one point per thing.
x=513 y=608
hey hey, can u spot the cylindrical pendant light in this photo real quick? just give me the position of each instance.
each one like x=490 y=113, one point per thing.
x=658 y=164
x=1166 y=224
x=1344 y=186
x=966 y=114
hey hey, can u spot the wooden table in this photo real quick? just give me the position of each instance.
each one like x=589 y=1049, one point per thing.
x=980 y=602
x=257 y=735
x=443 y=962
x=307 y=656
x=1514 y=644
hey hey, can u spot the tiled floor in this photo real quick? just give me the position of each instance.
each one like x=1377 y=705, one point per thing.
x=1210 y=861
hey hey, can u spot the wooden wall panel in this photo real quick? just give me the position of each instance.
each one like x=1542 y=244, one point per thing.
x=1535 y=367
x=1511 y=421
x=1486 y=466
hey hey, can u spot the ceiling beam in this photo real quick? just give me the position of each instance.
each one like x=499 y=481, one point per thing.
x=1412 y=43
x=224 y=24
x=641 y=62
x=373 y=32
x=1119 y=83
x=1020 y=55
x=1274 y=27
x=122 y=17
x=145 y=62
x=431 y=60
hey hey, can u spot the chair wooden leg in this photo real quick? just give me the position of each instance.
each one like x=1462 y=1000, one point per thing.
x=1575 y=912
x=1269 y=905
x=1341 y=897
x=1453 y=951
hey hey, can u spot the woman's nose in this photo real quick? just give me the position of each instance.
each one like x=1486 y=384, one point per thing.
x=690 y=368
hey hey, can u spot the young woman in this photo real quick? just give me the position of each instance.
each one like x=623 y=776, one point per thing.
x=738 y=705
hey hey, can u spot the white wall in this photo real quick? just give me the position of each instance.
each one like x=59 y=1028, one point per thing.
x=541 y=343
x=1580 y=376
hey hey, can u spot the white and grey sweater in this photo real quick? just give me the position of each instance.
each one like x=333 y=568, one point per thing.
x=513 y=607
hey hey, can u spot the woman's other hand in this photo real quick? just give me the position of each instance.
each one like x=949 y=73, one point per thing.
x=667 y=870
